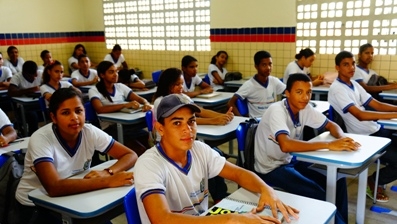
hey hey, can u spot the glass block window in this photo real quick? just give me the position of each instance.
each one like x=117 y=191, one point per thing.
x=158 y=24
x=329 y=26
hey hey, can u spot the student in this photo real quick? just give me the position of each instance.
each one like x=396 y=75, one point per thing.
x=52 y=80
x=63 y=148
x=109 y=96
x=280 y=132
x=363 y=73
x=8 y=134
x=261 y=90
x=216 y=70
x=191 y=79
x=304 y=60
x=46 y=56
x=349 y=99
x=173 y=175
x=14 y=62
x=5 y=74
x=84 y=76
x=74 y=61
x=25 y=84
x=117 y=58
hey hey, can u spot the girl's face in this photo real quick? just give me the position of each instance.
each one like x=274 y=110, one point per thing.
x=177 y=87
x=308 y=62
x=56 y=73
x=47 y=59
x=366 y=56
x=111 y=75
x=69 y=118
x=221 y=59
x=191 y=69
x=79 y=51
x=116 y=54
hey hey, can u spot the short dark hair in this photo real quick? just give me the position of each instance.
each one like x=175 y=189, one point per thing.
x=187 y=59
x=10 y=48
x=307 y=52
x=261 y=55
x=29 y=68
x=81 y=56
x=364 y=47
x=342 y=55
x=43 y=53
x=295 y=78
x=116 y=47
x=59 y=96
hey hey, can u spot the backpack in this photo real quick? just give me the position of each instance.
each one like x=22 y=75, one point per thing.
x=230 y=76
x=149 y=84
x=377 y=80
x=10 y=174
x=249 y=146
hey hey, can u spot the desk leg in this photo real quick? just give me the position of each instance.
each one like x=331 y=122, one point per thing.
x=332 y=176
x=66 y=219
x=361 y=196
x=231 y=147
x=25 y=126
x=120 y=134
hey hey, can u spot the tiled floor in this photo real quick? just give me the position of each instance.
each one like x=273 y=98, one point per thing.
x=370 y=217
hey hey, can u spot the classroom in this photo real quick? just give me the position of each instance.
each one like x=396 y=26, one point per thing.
x=241 y=28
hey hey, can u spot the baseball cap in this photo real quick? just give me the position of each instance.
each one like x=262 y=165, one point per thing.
x=171 y=103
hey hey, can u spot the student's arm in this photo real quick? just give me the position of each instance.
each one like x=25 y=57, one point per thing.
x=8 y=134
x=377 y=89
x=205 y=88
x=47 y=96
x=14 y=91
x=100 y=108
x=76 y=65
x=137 y=84
x=5 y=84
x=217 y=78
x=233 y=103
x=55 y=186
x=211 y=117
x=140 y=100
x=386 y=111
x=318 y=80
x=86 y=83
x=124 y=64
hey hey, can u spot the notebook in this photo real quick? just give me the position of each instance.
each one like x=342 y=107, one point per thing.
x=130 y=110
x=208 y=95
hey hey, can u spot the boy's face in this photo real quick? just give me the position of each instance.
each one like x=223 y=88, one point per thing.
x=346 y=68
x=84 y=63
x=264 y=68
x=299 y=96
x=191 y=69
x=367 y=56
x=179 y=130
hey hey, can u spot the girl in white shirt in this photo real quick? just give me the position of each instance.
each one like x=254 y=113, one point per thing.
x=191 y=79
x=216 y=70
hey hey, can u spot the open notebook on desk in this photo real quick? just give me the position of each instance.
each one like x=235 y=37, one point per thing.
x=208 y=95
x=130 y=110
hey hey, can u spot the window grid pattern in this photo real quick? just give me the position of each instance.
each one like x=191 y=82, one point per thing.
x=158 y=24
x=329 y=26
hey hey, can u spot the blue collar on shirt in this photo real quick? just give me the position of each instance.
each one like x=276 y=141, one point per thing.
x=350 y=86
x=1 y=71
x=115 y=61
x=364 y=69
x=260 y=83
x=85 y=76
x=299 y=65
x=59 y=86
x=16 y=64
x=296 y=121
x=65 y=146
x=186 y=83
x=184 y=169
x=114 y=91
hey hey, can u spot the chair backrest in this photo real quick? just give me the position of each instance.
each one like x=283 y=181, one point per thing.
x=335 y=117
x=90 y=115
x=43 y=108
x=206 y=79
x=149 y=120
x=156 y=76
x=245 y=134
x=242 y=107
x=131 y=208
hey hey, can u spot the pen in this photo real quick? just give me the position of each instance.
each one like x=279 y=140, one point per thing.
x=16 y=141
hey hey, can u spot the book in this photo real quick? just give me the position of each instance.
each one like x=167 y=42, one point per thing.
x=208 y=95
x=130 y=110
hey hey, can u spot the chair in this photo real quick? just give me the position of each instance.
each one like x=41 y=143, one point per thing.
x=156 y=76
x=90 y=115
x=149 y=123
x=43 y=108
x=131 y=208
x=206 y=79
x=242 y=107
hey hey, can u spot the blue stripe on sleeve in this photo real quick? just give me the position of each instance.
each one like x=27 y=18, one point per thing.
x=345 y=110
x=43 y=159
x=152 y=191
x=367 y=102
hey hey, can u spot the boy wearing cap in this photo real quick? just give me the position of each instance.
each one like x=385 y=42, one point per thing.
x=171 y=178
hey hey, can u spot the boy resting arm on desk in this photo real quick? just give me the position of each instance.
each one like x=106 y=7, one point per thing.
x=172 y=177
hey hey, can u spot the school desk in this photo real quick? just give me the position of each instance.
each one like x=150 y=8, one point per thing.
x=215 y=101
x=20 y=143
x=389 y=94
x=370 y=146
x=321 y=106
x=310 y=210
x=234 y=83
x=388 y=124
x=319 y=90
x=147 y=94
x=22 y=102
x=94 y=206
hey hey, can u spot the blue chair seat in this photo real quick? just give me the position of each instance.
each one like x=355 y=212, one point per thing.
x=131 y=208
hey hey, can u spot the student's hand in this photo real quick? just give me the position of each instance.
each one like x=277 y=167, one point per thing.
x=252 y=217
x=95 y=80
x=206 y=90
x=121 y=179
x=35 y=89
x=230 y=114
x=320 y=77
x=3 y=141
x=146 y=107
x=133 y=104
x=342 y=144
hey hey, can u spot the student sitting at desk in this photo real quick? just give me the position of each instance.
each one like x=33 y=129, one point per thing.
x=73 y=61
x=46 y=56
x=280 y=132
x=8 y=134
x=216 y=70
x=5 y=74
x=191 y=79
x=84 y=76
x=261 y=90
x=304 y=60
x=117 y=58
x=25 y=84
x=109 y=96
x=14 y=62
x=363 y=73
x=349 y=99
x=171 y=178
x=64 y=148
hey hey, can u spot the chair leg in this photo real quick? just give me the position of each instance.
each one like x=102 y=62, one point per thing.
x=376 y=180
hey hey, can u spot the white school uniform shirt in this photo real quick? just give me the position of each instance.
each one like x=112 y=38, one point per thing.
x=47 y=88
x=212 y=68
x=47 y=145
x=117 y=63
x=196 y=81
x=14 y=69
x=293 y=68
x=4 y=121
x=278 y=120
x=19 y=81
x=341 y=97
x=72 y=60
x=92 y=73
x=259 y=96
x=361 y=75
x=5 y=73
x=186 y=188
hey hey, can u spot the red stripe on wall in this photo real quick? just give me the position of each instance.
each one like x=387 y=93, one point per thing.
x=54 y=40
x=254 y=38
